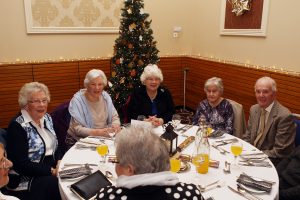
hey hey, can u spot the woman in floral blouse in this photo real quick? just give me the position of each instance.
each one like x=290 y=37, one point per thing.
x=217 y=111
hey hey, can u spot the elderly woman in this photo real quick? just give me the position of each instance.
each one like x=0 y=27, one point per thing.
x=143 y=170
x=92 y=110
x=32 y=146
x=5 y=165
x=151 y=100
x=217 y=110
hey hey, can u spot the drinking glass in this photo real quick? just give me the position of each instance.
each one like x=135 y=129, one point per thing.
x=236 y=149
x=175 y=165
x=141 y=118
x=176 y=120
x=111 y=131
x=102 y=150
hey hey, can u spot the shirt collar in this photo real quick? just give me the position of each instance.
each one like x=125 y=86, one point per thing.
x=27 y=117
x=269 y=108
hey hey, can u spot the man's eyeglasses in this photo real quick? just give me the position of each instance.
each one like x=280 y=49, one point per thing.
x=5 y=163
x=39 y=101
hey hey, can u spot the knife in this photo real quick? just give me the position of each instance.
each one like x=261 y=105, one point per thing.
x=245 y=195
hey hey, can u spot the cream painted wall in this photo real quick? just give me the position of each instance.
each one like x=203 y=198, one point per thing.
x=280 y=48
x=199 y=19
x=16 y=44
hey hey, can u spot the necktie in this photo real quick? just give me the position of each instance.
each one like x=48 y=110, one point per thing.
x=261 y=126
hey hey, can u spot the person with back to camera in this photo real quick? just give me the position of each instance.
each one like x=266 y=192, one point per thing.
x=217 y=111
x=143 y=169
x=32 y=146
x=92 y=110
x=151 y=100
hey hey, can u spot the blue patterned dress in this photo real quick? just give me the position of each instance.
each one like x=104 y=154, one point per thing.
x=220 y=117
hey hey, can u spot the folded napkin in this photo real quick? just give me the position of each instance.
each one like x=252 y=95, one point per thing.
x=254 y=183
x=90 y=140
x=75 y=172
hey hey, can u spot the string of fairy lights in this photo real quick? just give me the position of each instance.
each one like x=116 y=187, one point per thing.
x=246 y=64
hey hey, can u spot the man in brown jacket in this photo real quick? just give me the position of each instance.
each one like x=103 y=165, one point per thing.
x=270 y=127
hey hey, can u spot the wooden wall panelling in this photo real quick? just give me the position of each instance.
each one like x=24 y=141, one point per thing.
x=173 y=77
x=238 y=81
x=62 y=80
x=288 y=94
x=85 y=66
x=12 y=77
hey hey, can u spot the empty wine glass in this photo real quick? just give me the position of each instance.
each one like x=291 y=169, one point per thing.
x=111 y=131
x=141 y=118
x=176 y=120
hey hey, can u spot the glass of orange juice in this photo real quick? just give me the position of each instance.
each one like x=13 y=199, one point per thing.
x=175 y=165
x=236 y=149
x=201 y=162
x=102 y=150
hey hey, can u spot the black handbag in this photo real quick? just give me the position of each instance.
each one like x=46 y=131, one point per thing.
x=88 y=187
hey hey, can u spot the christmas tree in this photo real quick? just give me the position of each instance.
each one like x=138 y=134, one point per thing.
x=134 y=49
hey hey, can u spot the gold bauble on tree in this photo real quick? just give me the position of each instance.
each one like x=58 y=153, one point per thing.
x=140 y=62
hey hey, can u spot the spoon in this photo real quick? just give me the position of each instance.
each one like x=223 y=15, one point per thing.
x=204 y=187
x=212 y=187
x=227 y=168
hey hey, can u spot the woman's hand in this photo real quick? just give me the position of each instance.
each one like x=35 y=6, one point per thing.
x=155 y=121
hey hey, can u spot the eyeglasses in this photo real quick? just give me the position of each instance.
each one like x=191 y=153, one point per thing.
x=5 y=163
x=39 y=101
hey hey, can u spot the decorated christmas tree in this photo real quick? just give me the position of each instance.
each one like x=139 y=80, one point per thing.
x=134 y=49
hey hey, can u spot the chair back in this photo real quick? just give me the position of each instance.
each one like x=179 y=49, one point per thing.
x=3 y=136
x=297 y=140
x=239 y=121
x=124 y=111
x=61 y=120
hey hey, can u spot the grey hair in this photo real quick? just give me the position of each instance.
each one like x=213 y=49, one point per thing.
x=94 y=73
x=151 y=70
x=29 y=88
x=214 y=81
x=267 y=80
x=141 y=148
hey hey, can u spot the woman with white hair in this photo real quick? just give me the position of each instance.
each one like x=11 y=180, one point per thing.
x=92 y=110
x=32 y=146
x=143 y=169
x=151 y=100
x=217 y=111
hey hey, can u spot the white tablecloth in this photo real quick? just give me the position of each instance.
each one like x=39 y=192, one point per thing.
x=89 y=156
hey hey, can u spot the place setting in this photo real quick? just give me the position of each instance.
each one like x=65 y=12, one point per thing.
x=251 y=187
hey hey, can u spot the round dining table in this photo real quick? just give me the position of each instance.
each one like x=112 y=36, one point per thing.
x=225 y=179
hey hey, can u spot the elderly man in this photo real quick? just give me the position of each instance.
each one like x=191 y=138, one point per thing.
x=270 y=127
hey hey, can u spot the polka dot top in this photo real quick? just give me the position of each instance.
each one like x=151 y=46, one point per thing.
x=180 y=191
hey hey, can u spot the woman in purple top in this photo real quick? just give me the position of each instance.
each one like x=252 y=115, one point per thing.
x=218 y=111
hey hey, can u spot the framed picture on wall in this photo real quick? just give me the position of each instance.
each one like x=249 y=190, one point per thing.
x=72 y=16
x=244 y=17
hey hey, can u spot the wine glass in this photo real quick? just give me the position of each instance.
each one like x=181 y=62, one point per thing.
x=141 y=118
x=111 y=131
x=176 y=120
x=102 y=150
x=175 y=165
x=236 y=149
